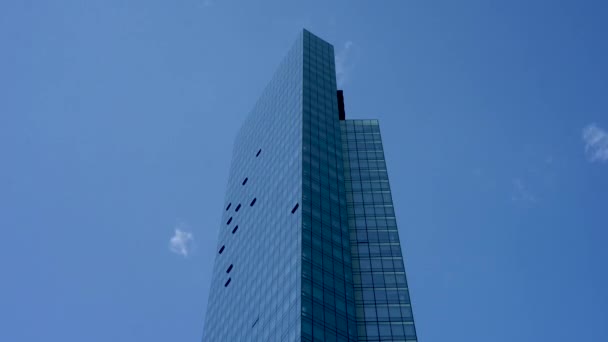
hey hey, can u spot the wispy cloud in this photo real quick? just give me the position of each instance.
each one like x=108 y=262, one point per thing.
x=596 y=143
x=181 y=242
x=207 y=3
x=344 y=63
x=521 y=193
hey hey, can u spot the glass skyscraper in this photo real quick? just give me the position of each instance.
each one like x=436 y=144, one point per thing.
x=308 y=246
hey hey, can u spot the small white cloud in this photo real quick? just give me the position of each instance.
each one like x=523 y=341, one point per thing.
x=521 y=193
x=344 y=64
x=181 y=242
x=596 y=143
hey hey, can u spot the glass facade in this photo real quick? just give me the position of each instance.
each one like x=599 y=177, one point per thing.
x=384 y=310
x=328 y=308
x=262 y=241
x=308 y=248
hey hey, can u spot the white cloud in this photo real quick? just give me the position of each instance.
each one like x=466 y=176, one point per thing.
x=521 y=193
x=344 y=64
x=596 y=143
x=181 y=242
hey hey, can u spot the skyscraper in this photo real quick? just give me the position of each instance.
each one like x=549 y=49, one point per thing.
x=308 y=245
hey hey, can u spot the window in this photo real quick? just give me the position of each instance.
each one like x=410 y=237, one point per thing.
x=229 y=269
x=245 y=180
x=228 y=207
x=257 y=154
x=235 y=229
x=229 y=220
x=221 y=249
x=295 y=208
x=237 y=207
x=252 y=202
x=227 y=282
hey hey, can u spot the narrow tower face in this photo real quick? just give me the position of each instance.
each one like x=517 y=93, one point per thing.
x=308 y=246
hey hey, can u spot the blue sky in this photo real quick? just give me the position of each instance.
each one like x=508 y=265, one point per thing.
x=116 y=127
